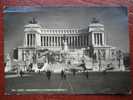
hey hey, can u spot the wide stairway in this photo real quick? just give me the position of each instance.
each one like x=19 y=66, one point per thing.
x=56 y=67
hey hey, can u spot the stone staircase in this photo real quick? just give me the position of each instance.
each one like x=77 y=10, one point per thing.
x=56 y=67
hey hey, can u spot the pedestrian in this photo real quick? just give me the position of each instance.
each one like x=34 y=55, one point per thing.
x=39 y=71
x=21 y=73
x=69 y=63
x=49 y=74
x=107 y=68
x=63 y=75
x=74 y=72
x=87 y=74
x=104 y=71
x=83 y=65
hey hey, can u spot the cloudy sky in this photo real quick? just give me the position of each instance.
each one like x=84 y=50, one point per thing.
x=115 y=20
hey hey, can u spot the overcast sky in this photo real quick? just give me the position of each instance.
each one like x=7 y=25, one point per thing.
x=115 y=20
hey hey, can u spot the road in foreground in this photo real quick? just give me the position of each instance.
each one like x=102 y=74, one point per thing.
x=97 y=82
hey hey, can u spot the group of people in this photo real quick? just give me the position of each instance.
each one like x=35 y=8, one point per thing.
x=62 y=73
x=48 y=74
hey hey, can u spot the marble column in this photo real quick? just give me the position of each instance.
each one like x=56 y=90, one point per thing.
x=42 y=43
x=48 y=41
x=78 y=41
x=51 y=40
x=103 y=38
x=81 y=40
x=57 y=41
x=92 y=39
x=69 y=40
x=34 y=39
x=25 y=40
x=54 y=41
x=30 y=40
x=86 y=40
x=43 y=40
x=73 y=41
x=97 y=40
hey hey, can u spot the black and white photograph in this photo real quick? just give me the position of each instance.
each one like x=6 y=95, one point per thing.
x=66 y=50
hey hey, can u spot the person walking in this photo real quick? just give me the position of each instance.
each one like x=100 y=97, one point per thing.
x=48 y=74
x=74 y=72
x=83 y=65
x=87 y=74
x=21 y=73
x=63 y=75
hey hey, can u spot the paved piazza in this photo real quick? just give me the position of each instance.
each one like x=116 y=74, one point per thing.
x=97 y=82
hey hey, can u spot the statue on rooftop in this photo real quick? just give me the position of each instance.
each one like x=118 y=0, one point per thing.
x=95 y=20
x=33 y=21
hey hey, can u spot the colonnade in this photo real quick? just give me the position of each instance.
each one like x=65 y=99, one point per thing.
x=72 y=40
x=98 y=39
x=30 y=39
